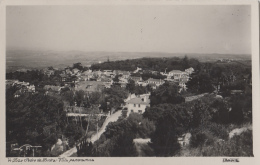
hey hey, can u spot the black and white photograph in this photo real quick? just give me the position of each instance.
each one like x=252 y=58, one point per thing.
x=129 y=81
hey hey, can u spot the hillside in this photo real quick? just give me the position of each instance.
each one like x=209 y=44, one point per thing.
x=28 y=59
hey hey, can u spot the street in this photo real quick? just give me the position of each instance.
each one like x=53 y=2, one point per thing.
x=114 y=117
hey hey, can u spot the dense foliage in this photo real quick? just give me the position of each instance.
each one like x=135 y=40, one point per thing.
x=166 y=93
x=155 y=64
x=34 y=119
x=118 y=137
x=170 y=125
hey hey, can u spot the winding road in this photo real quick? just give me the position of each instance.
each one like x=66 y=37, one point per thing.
x=114 y=117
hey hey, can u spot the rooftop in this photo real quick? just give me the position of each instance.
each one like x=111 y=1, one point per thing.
x=138 y=100
x=89 y=86
x=176 y=71
x=157 y=80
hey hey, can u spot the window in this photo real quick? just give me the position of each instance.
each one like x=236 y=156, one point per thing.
x=140 y=111
x=139 y=105
x=134 y=105
x=132 y=110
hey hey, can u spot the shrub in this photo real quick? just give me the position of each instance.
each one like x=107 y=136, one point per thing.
x=202 y=138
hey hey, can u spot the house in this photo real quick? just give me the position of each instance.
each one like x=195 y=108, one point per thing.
x=107 y=82
x=176 y=74
x=19 y=83
x=115 y=72
x=184 y=140
x=96 y=74
x=52 y=88
x=84 y=78
x=137 y=70
x=123 y=82
x=90 y=86
x=182 y=83
x=31 y=88
x=155 y=72
x=153 y=86
x=234 y=92
x=65 y=78
x=67 y=71
x=75 y=71
x=123 y=85
x=157 y=82
x=108 y=72
x=125 y=74
x=137 y=104
x=10 y=82
x=136 y=79
x=49 y=72
x=86 y=73
x=18 y=93
x=163 y=73
x=189 y=70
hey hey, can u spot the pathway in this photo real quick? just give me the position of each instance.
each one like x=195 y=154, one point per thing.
x=114 y=117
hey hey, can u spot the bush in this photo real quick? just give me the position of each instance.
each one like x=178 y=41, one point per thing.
x=239 y=145
x=201 y=138
x=218 y=130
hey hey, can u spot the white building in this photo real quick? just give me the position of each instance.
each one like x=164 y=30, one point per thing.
x=137 y=104
x=177 y=74
x=137 y=70
x=184 y=140
x=189 y=70
x=182 y=83
x=108 y=72
x=157 y=82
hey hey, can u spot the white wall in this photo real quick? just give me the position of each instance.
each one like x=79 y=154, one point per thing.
x=135 y=109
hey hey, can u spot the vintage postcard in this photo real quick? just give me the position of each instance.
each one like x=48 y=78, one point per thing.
x=123 y=81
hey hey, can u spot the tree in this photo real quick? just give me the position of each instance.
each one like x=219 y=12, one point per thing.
x=220 y=111
x=116 y=79
x=185 y=62
x=172 y=124
x=130 y=86
x=200 y=83
x=80 y=98
x=119 y=136
x=35 y=119
x=78 y=66
x=68 y=96
x=115 y=96
x=166 y=93
x=236 y=114
x=140 y=90
x=200 y=114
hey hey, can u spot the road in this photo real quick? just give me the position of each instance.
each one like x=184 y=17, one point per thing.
x=114 y=117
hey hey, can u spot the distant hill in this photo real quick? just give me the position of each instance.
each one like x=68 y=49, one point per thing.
x=29 y=59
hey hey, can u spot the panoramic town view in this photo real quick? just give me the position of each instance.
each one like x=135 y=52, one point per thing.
x=128 y=81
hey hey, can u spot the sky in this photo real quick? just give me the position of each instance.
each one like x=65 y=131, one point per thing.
x=115 y=28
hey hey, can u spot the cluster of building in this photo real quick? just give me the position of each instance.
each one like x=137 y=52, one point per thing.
x=94 y=81
x=91 y=81
x=22 y=87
